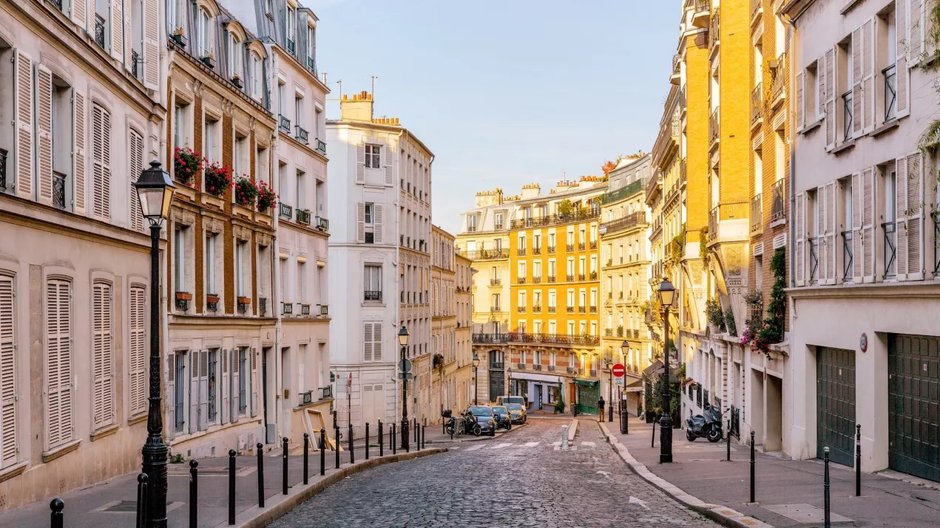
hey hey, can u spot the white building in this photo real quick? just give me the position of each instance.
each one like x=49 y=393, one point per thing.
x=380 y=252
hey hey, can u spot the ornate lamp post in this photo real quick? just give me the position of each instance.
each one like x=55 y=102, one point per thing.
x=624 y=348
x=155 y=190
x=610 y=389
x=403 y=342
x=476 y=363
x=666 y=295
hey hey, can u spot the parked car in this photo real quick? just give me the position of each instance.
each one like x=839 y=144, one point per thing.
x=503 y=418
x=516 y=412
x=503 y=400
x=485 y=420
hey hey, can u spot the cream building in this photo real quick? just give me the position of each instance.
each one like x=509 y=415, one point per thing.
x=459 y=377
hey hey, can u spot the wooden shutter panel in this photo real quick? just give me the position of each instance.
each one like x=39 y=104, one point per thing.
x=193 y=391
x=822 y=245
x=117 y=30
x=253 y=382
x=821 y=87
x=170 y=426
x=102 y=355
x=44 y=133
x=856 y=227
x=138 y=361
x=367 y=342
x=361 y=162
x=800 y=110
x=916 y=30
x=915 y=217
x=902 y=81
x=80 y=13
x=799 y=229
x=901 y=218
x=8 y=448
x=78 y=152
x=857 y=55
x=387 y=165
x=151 y=26
x=830 y=100
x=868 y=225
x=360 y=222
x=831 y=232
x=58 y=363
x=378 y=222
x=377 y=341
x=23 y=147
x=136 y=155
x=101 y=169
x=868 y=76
x=226 y=387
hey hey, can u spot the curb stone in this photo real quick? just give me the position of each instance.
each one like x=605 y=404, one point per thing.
x=716 y=512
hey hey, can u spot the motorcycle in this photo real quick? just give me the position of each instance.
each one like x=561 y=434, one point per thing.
x=467 y=424
x=707 y=425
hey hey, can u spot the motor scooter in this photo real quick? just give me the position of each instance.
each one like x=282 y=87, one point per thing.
x=707 y=425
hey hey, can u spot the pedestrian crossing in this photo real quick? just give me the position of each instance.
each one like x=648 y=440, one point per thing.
x=556 y=446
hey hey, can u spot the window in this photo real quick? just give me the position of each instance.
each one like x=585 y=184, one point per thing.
x=498 y=220
x=180 y=237
x=243 y=380
x=8 y=447
x=240 y=160
x=177 y=378
x=257 y=75
x=58 y=362
x=369 y=223
x=298 y=110
x=370 y=213
x=372 y=341
x=521 y=302
x=212 y=140
x=138 y=361
x=212 y=386
x=242 y=268
x=204 y=34
x=235 y=54
x=291 y=28
x=373 y=156
x=311 y=48
x=521 y=273
x=102 y=347
x=101 y=166
x=372 y=283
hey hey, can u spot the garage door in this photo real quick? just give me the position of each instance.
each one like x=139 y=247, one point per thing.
x=835 y=404
x=914 y=405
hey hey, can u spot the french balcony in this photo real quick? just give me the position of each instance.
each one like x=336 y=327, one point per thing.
x=593 y=309
x=303 y=216
x=3 y=169
x=813 y=244
x=551 y=368
x=593 y=275
x=890 y=75
x=520 y=366
x=520 y=309
x=593 y=244
x=700 y=13
x=312 y=65
x=580 y=276
x=676 y=76
x=301 y=134
x=571 y=370
x=262 y=306
x=537 y=308
x=291 y=46
x=520 y=251
x=570 y=309
x=891 y=249
x=287 y=308
x=283 y=123
x=757 y=104
x=848 y=116
x=495 y=282
x=778 y=87
x=569 y=247
x=304 y=309
x=484 y=254
x=581 y=246
x=847 y=256
x=569 y=277
x=322 y=224
x=520 y=280
x=324 y=310
x=714 y=126
x=372 y=295
x=326 y=392
x=136 y=62
x=99 y=31
x=284 y=211
x=778 y=202
x=58 y=190
x=536 y=280
x=536 y=250
x=551 y=309
x=551 y=278
x=757 y=214
x=321 y=146
x=619 y=331
x=551 y=250
x=537 y=366
x=608 y=332
x=582 y=309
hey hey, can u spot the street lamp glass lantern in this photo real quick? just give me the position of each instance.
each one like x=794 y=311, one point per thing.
x=476 y=360
x=624 y=347
x=155 y=190
x=403 y=336
x=667 y=293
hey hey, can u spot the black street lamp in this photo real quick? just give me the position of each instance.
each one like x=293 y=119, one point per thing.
x=155 y=191
x=624 y=348
x=476 y=363
x=666 y=295
x=403 y=341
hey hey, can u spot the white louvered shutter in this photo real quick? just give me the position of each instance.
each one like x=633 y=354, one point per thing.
x=8 y=447
x=360 y=222
x=226 y=387
x=387 y=165
x=80 y=13
x=23 y=146
x=136 y=156
x=151 y=25
x=377 y=341
x=379 y=222
x=101 y=162
x=830 y=99
x=822 y=244
x=800 y=244
x=193 y=391
x=367 y=341
x=868 y=76
x=821 y=88
x=170 y=426
x=901 y=219
x=832 y=233
x=78 y=152
x=915 y=217
x=867 y=255
x=236 y=392
x=800 y=110
x=361 y=162
x=856 y=228
x=44 y=133
x=856 y=65
x=138 y=355
x=253 y=382
x=915 y=34
x=58 y=363
x=117 y=29
x=102 y=356
x=902 y=82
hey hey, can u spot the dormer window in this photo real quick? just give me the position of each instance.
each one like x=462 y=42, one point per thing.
x=311 y=48
x=290 y=31
x=235 y=57
x=256 y=72
x=204 y=34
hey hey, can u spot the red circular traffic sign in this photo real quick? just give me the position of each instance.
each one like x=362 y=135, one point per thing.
x=618 y=370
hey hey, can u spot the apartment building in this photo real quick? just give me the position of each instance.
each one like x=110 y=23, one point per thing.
x=460 y=375
x=625 y=276
x=380 y=251
x=865 y=235
x=80 y=103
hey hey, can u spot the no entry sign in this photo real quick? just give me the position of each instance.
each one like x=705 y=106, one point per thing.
x=618 y=370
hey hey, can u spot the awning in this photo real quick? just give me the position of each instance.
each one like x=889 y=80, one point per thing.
x=515 y=375
x=586 y=383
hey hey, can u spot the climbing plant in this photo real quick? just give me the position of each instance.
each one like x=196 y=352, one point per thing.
x=773 y=327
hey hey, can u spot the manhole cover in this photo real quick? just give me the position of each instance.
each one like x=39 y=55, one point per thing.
x=804 y=513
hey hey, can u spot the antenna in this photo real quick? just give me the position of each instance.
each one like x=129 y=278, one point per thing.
x=374 y=77
x=340 y=83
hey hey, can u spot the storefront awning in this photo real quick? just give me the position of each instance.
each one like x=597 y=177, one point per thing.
x=534 y=377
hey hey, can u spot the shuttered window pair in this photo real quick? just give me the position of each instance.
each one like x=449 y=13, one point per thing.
x=372 y=341
x=375 y=157
x=58 y=362
x=102 y=355
x=369 y=223
x=138 y=354
x=8 y=445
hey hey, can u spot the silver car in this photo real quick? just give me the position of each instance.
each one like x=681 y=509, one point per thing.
x=485 y=420
x=516 y=412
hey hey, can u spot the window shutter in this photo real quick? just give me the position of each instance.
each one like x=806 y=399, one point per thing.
x=236 y=392
x=901 y=218
x=170 y=426
x=253 y=382
x=101 y=170
x=868 y=76
x=151 y=49
x=226 y=387
x=377 y=211
x=138 y=356
x=367 y=342
x=916 y=31
x=377 y=341
x=80 y=13
x=831 y=232
x=830 y=99
x=58 y=363
x=8 y=447
x=24 y=126
x=800 y=111
x=136 y=156
x=102 y=355
x=858 y=199
x=387 y=165
x=360 y=222
x=361 y=162
x=821 y=88
x=867 y=255
x=915 y=217
x=44 y=133
x=822 y=238
x=78 y=152
x=857 y=55
x=902 y=83
x=117 y=30
x=194 y=391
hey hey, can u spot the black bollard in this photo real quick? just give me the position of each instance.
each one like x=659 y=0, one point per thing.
x=858 y=460
x=752 y=467
x=259 y=449
x=827 y=522
x=420 y=437
x=322 y=451
x=381 y=440
x=367 y=440
x=141 y=500
x=193 y=492
x=352 y=448
x=653 y=440
x=424 y=431
x=336 y=432
x=728 y=443
x=57 y=520
x=284 y=466
x=392 y=439
x=231 y=487
x=610 y=412
x=306 y=454
x=414 y=426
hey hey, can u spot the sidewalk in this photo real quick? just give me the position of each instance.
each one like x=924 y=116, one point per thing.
x=788 y=492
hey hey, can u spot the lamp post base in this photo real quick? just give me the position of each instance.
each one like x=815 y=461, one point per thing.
x=404 y=434
x=155 y=466
x=665 y=440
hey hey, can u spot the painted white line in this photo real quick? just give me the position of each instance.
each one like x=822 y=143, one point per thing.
x=634 y=500
x=531 y=444
x=588 y=444
x=475 y=448
x=500 y=446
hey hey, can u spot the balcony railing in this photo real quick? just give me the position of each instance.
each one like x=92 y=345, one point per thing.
x=99 y=31
x=936 y=242
x=304 y=309
x=570 y=309
x=58 y=190
x=778 y=201
x=757 y=103
x=537 y=280
x=569 y=277
x=779 y=78
x=495 y=282
x=520 y=280
x=551 y=309
x=813 y=259
x=372 y=295
x=262 y=306
x=484 y=254
x=713 y=126
x=580 y=276
x=520 y=309
x=3 y=169
x=551 y=249
x=322 y=224
x=714 y=30
x=757 y=213
x=326 y=392
x=495 y=309
x=321 y=146
x=301 y=134
x=891 y=248
x=551 y=278
x=291 y=46
x=520 y=366
x=303 y=216
x=569 y=247
x=582 y=309
x=847 y=257
x=312 y=65
x=135 y=64
x=593 y=309
x=580 y=246
x=537 y=308
x=536 y=366
x=631 y=220
x=520 y=251
x=847 y=116
x=283 y=123
x=284 y=211
x=525 y=337
x=548 y=220
x=891 y=91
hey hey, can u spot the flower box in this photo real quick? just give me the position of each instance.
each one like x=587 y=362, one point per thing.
x=184 y=296
x=212 y=301
x=208 y=60
x=244 y=300
x=218 y=178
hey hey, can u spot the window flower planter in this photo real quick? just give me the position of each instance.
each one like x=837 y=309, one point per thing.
x=267 y=198
x=182 y=300
x=246 y=193
x=218 y=178
x=212 y=301
x=186 y=163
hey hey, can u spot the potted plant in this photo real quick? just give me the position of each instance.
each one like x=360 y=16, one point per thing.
x=208 y=59
x=237 y=80
x=218 y=178
x=184 y=296
x=186 y=163
x=267 y=198
x=245 y=192
x=714 y=315
x=178 y=37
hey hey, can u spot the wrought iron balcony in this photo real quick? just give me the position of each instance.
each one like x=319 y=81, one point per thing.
x=581 y=246
x=713 y=125
x=569 y=277
x=372 y=295
x=551 y=309
x=847 y=257
x=520 y=280
x=891 y=248
x=322 y=224
x=291 y=46
x=580 y=276
x=537 y=280
x=303 y=216
x=779 y=73
x=582 y=309
x=890 y=75
x=609 y=332
x=570 y=309
x=757 y=103
x=536 y=366
x=520 y=366
x=312 y=64
x=551 y=368
x=537 y=250
x=321 y=146
x=847 y=115
x=579 y=214
x=551 y=249
x=619 y=331
x=813 y=244
x=551 y=278
x=520 y=309
x=631 y=220
x=778 y=201
x=136 y=62
x=593 y=309
x=58 y=189
x=324 y=310
x=283 y=123
x=537 y=308
x=301 y=134
x=285 y=212
x=495 y=282
x=485 y=254
x=99 y=31
x=569 y=247
x=757 y=214
x=287 y=308
x=495 y=309
x=3 y=169
x=520 y=251
x=326 y=392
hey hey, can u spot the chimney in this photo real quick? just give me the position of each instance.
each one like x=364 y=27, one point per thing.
x=356 y=108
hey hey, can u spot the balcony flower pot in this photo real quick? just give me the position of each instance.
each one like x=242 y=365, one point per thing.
x=267 y=198
x=186 y=163
x=246 y=192
x=237 y=81
x=212 y=298
x=217 y=178
x=244 y=300
x=184 y=296
x=208 y=60
x=178 y=37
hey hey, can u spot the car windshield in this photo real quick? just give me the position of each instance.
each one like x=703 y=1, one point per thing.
x=481 y=411
x=514 y=406
x=500 y=410
x=513 y=399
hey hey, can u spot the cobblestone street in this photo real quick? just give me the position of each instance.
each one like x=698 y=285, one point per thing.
x=524 y=479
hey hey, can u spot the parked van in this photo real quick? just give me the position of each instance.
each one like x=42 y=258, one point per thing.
x=503 y=400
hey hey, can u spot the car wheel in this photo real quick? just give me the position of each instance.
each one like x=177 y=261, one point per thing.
x=477 y=430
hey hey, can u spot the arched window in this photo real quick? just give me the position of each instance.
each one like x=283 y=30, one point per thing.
x=204 y=33
x=235 y=55
x=256 y=73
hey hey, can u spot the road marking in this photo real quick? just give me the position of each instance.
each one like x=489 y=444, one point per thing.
x=588 y=444
x=475 y=448
x=500 y=446
x=606 y=474
x=634 y=500
x=531 y=444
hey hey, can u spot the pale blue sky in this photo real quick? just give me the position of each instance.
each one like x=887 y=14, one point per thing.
x=505 y=92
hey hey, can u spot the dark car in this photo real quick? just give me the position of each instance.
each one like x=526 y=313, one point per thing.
x=503 y=418
x=485 y=420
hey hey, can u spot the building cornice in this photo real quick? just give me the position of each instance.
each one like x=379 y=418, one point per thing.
x=926 y=289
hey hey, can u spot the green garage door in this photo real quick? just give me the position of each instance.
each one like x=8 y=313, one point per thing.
x=914 y=405
x=835 y=404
